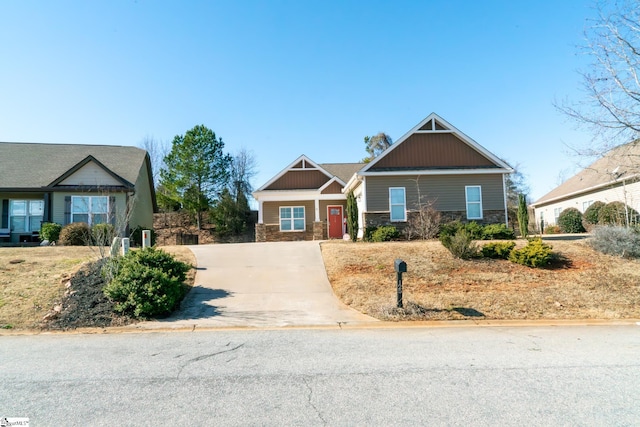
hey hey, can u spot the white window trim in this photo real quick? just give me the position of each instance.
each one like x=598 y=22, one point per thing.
x=89 y=213
x=27 y=216
x=293 y=230
x=404 y=204
x=467 y=202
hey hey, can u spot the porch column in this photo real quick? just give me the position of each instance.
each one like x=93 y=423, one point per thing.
x=317 y=210
x=260 y=209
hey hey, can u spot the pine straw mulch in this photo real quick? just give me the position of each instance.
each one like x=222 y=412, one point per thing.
x=581 y=284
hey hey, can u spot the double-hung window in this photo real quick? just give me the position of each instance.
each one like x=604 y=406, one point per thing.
x=397 y=204
x=292 y=218
x=473 y=195
x=556 y=214
x=90 y=209
x=26 y=215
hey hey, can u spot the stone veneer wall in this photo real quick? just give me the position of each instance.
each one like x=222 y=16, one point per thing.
x=272 y=233
x=382 y=218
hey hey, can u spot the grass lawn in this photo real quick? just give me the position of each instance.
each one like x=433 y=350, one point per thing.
x=32 y=279
x=437 y=286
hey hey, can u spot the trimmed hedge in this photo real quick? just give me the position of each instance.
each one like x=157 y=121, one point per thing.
x=50 y=231
x=570 y=221
x=75 y=234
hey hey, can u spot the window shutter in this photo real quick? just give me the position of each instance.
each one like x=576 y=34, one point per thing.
x=112 y=210
x=67 y=210
x=5 y=214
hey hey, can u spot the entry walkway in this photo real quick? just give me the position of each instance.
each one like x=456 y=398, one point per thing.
x=260 y=285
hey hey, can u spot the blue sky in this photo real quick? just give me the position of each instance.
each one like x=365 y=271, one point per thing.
x=285 y=78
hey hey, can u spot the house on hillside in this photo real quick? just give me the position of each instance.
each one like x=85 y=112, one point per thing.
x=434 y=162
x=65 y=183
x=613 y=177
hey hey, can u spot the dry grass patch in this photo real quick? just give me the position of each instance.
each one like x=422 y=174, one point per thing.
x=33 y=280
x=584 y=284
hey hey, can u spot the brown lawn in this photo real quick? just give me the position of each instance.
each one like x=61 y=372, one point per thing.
x=32 y=279
x=437 y=286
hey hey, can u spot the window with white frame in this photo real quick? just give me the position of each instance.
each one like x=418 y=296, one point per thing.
x=25 y=215
x=90 y=209
x=585 y=205
x=292 y=218
x=397 y=204
x=556 y=214
x=473 y=194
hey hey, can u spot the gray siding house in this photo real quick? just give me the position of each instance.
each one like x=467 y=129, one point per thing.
x=65 y=183
x=434 y=162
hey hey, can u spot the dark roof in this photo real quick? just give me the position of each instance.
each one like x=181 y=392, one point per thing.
x=344 y=171
x=618 y=164
x=30 y=165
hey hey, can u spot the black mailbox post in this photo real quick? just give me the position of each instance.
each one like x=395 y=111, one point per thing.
x=400 y=267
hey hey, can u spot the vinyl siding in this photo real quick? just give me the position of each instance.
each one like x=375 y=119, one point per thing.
x=142 y=214
x=432 y=150
x=606 y=195
x=271 y=211
x=91 y=175
x=302 y=179
x=446 y=191
x=58 y=208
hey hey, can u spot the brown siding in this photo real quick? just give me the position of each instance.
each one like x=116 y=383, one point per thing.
x=271 y=211
x=298 y=165
x=447 y=191
x=299 y=180
x=439 y=126
x=433 y=150
x=335 y=188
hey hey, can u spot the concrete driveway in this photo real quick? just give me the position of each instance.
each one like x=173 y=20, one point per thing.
x=261 y=285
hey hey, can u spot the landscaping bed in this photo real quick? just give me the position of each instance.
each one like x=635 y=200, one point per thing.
x=60 y=288
x=580 y=284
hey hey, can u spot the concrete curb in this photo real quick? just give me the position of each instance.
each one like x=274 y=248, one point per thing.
x=439 y=324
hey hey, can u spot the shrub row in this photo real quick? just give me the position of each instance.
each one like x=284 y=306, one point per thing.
x=478 y=231
x=535 y=254
x=81 y=234
x=146 y=283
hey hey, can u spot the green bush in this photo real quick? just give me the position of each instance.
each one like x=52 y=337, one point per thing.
x=460 y=244
x=385 y=233
x=591 y=214
x=570 y=221
x=135 y=236
x=497 y=232
x=499 y=250
x=612 y=213
x=450 y=228
x=102 y=234
x=75 y=234
x=50 y=231
x=619 y=241
x=535 y=254
x=146 y=283
x=474 y=229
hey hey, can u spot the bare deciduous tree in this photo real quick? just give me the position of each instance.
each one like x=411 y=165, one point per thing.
x=611 y=108
x=157 y=150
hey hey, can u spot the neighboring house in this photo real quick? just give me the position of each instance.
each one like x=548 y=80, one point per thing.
x=432 y=163
x=65 y=183
x=613 y=177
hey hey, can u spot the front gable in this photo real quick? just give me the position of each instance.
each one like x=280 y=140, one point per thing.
x=90 y=173
x=434 y=144
x=302 y=174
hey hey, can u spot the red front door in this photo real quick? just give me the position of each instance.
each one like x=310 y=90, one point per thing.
x=335 y=222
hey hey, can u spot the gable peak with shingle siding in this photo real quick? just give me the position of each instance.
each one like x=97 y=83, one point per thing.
x=37 y=165
x=442 y=133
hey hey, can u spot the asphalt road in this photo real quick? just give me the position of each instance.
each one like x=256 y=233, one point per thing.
x=418 y=376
